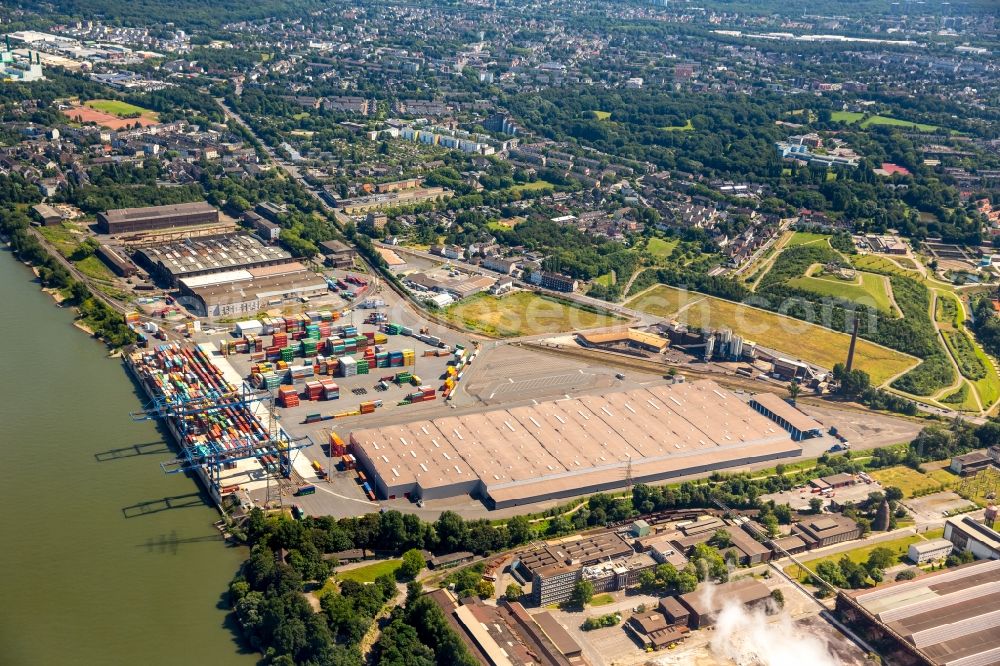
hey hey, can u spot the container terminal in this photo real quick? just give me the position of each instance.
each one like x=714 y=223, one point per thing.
x=225 y=430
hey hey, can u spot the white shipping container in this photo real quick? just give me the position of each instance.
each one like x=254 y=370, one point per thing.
x=252 y=326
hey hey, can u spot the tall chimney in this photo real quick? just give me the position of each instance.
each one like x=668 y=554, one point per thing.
x=854 y=342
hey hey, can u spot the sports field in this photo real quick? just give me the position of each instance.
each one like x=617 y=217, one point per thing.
x=851 y=117
x=116 y=107
x=865 y=289
x=95 y=112
x=798 y=339
x=524 y=313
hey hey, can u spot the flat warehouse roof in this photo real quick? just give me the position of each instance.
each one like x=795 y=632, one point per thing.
x=154 y=212
x=950 y=616
x=562 y=444
x=793 y=416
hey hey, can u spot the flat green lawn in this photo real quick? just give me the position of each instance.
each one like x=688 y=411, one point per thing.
x=602 y=115
x=867 y=289
x=851 y=117
x=368 y=573
x=524 y=313
x=301 y=116
x=601 y=600
x=798 y=339
x=686 y=127
x=661 y=248
x=605 y=280
x=806 y=238
x=117 y=107
x=94 y=268
x=858 y=555
x=846 y=116
x=534 y=185
x=909 y=480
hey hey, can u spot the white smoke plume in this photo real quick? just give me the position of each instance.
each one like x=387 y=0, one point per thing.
x=753 y=638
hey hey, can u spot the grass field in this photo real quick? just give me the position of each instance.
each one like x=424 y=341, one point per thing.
x=524 y=313
x=605 y=280
x=368 y=574
x=908 y=480
x=868 y=289
x=805 y=238
x=118 y=108
x=535 y=185
x=62 y=238
x=601 y=600
x=872 y=263
x=809 y=342
x=661 y=248
x=859 y=555
x=602 y=115
x=95 y=269
x=686 y=127
x=851 y=117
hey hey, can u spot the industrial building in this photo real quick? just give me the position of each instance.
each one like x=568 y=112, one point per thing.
x=269 y=231
x=338 y=254
x=172 y=262
x=826 y=530
x=506 y=635
x=248 y=291
x=968 y=535
x=563 y=448
x=834 y=481
x=929 y=551
x=131 y=220
x=116 y=260
x=791 y=419
x=47 y=215
x=705 y=603
x=392 y=199
x=946 y=617
x=970 y=463
x=629 y=341
x=554 y=569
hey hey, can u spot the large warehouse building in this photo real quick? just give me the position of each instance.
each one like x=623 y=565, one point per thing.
x=949 y=617
x=571 y=447
x=248 y=291
x=172 y=262
x=131 y=220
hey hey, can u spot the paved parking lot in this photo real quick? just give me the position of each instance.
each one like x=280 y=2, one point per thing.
x=798 y=498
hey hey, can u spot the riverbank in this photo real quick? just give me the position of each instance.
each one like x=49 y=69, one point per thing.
x=98 y=524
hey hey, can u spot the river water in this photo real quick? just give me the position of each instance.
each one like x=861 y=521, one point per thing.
x=94 y=566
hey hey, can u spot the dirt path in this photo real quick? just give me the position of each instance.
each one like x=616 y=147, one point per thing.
x=632 y=279
x=892 y=296
x=768 y=263
x=959 y=380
